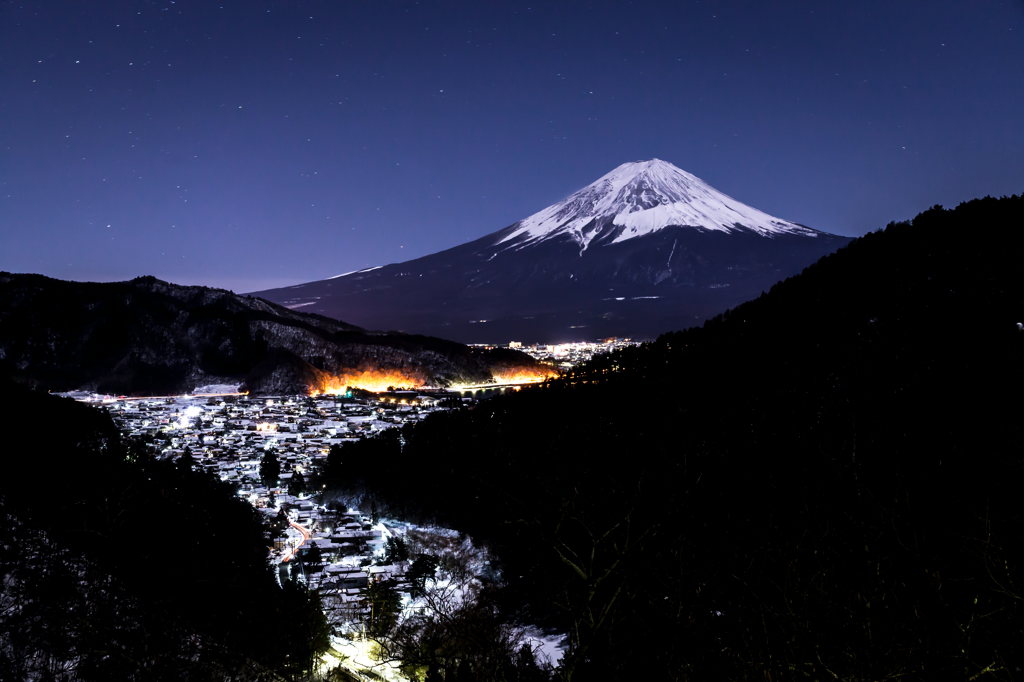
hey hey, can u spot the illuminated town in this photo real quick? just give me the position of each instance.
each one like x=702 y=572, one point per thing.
x=335 y=549
x=566 y=355
x=332 y=547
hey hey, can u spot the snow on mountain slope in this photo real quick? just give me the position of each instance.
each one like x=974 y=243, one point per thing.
x=639 y=198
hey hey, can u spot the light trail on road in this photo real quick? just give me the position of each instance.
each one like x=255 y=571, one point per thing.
x=504 y=385
x=305 y=536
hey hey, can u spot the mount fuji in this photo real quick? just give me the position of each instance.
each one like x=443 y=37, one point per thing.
x=647 y=248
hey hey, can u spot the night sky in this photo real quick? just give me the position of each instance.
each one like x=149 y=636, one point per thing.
x=256 y=144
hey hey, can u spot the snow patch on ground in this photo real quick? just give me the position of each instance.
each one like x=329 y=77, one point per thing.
x=548 y=646
x=215 y=388
x=353 y=272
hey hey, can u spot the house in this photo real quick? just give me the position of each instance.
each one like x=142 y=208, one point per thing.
x=389 y=572
x=347 y=578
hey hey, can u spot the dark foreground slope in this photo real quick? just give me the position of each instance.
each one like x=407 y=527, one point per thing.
x=119 y=567
x=149 y=337
x=823 y=483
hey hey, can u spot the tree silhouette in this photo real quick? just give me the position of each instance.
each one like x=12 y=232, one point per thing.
x=270 y=469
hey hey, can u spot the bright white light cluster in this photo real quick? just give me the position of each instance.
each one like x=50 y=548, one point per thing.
x=189 y=417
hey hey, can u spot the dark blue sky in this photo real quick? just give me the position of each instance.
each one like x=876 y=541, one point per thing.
x=254 y=144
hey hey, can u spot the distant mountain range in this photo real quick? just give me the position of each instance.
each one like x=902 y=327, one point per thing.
x=149 y=337
x=647 y=248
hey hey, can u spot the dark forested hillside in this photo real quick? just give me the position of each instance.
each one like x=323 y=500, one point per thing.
x=149 y=337
x=822 y=483
x=118 y=566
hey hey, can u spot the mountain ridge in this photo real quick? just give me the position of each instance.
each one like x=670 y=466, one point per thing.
x=147 y=336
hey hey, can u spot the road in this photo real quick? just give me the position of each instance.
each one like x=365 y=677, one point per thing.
x=477 y=387
x=305 y=536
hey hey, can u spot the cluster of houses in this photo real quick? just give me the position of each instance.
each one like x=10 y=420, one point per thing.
x=567 y=355
x=337 y=551
x=228 y=437
x=351 y=549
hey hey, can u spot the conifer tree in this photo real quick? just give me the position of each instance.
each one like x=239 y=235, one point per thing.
x=297 y=484
x=270 y=469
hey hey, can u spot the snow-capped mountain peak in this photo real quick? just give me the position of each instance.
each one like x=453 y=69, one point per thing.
x=639 y=198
